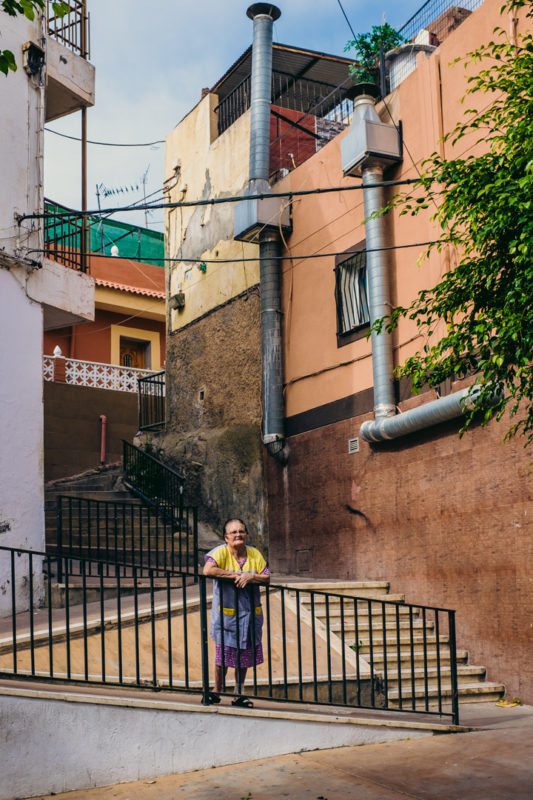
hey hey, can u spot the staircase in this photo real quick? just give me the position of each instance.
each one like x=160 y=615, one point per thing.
x=404 y=668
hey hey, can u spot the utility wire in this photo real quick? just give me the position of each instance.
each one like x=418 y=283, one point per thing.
x=346 y=18
x=216 y=200
x=183 y=259
x=106 y=144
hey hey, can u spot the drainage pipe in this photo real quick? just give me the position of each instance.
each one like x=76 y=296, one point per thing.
x=264 y=16
x=103 y=438
x=416 y=419
x=379 y=292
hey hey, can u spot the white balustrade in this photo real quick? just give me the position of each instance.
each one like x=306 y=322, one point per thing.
x=96 y=375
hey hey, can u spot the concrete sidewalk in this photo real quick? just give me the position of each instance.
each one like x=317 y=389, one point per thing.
x=492 y=762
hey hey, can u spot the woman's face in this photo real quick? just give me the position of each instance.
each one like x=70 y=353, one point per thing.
x=235 y=533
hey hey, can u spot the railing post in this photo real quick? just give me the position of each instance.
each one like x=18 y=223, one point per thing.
x=59 y=538
x=453 y=667
x=203 y=641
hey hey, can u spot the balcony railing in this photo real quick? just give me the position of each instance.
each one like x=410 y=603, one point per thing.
x=93 y=374
x=72 y=29
x=65 y=237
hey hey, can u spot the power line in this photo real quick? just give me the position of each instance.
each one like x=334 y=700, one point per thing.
x=346 y=18
x=185 y=260
x=217 y=200
x=106 y=144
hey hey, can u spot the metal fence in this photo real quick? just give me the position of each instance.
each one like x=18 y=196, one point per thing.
x=153 y=481
x=124 y=534
x=318 y=647
x=152 y=401
x=65 y=237
x=439 y=18
x=307 y=96
x=71 y=29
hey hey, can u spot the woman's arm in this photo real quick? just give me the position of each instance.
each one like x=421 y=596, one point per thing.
x=213 y=571
x=242 y=579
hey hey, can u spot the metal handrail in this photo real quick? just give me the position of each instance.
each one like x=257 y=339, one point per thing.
x=319 y=647
x=152 y=401
x=152 y=480
x=126 y=533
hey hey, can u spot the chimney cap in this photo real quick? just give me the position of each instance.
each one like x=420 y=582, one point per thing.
x=264 y=8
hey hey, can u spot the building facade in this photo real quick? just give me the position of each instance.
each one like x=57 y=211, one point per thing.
x=54 y=78
x=445 y=519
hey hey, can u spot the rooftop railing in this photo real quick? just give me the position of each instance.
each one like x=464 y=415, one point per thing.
x=439 y=18
x=72 y=29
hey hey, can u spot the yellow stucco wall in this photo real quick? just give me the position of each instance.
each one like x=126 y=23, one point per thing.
x=201 y=164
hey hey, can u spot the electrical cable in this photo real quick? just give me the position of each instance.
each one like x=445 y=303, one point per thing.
x=245 y=260
x=346 y=18
x=216 y=200
x=106 y=144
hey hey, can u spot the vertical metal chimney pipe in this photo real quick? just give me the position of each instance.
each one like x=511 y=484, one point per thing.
x=263 y=16
x=379 y=291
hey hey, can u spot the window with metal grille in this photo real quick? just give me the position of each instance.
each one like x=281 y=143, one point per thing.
x=352 y=296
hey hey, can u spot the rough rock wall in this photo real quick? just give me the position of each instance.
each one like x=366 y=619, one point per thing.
x=213 y=430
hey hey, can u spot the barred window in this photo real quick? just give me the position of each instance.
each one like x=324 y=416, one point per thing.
x=352 y=294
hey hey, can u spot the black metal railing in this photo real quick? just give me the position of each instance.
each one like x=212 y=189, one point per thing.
x=318 y=647
x=153 y=481
x=124 y=534
x=439 y=18
x=152 y=402
x=299 y=94
x=65 y=237
x=71 y=29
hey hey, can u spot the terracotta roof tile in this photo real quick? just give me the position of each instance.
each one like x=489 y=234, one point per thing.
x=124 y=287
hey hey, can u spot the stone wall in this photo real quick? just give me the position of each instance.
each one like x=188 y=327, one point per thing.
x=213 y=430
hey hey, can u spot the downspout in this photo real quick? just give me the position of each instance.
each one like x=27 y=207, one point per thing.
x=369 y=145
x=258 y=221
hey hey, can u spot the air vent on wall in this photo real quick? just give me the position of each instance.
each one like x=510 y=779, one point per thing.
x=353 y=445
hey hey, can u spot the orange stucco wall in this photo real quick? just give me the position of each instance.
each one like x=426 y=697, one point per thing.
x=92 y=341
x=427 y=103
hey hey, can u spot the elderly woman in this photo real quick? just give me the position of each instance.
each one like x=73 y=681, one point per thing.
x=243 y=565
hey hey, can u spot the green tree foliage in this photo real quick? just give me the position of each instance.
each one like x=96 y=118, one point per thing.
x=485 y=212
x=367 y=47
x=29 y=8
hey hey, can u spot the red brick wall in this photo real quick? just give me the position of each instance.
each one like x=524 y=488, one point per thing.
x=293 y=140
x=447 y=522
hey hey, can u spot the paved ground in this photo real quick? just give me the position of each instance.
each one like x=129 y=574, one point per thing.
x=493 y=762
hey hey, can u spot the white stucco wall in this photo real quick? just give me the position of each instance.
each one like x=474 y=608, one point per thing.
x=21 y=408
x=21 y=142
x=58 y=746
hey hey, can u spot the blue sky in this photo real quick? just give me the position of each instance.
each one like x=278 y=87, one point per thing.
x=152 y=60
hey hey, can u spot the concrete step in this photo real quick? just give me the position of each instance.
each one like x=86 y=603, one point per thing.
x=348 y=588
x=418 y=658
x=482 y=692
x=362 y=601
x=466 y=674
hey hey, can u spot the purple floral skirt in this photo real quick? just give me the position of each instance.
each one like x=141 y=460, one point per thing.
x=246 y=656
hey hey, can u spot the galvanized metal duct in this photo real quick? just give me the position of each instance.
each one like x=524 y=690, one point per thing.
x=264 y=15
x=379 y=293
x=416 y=419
